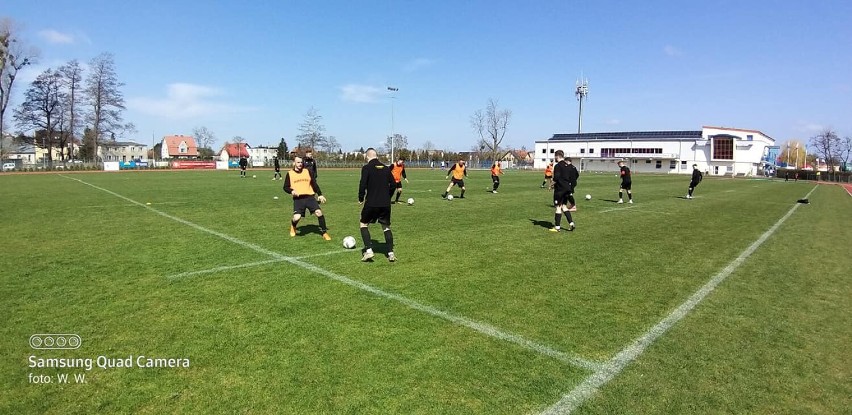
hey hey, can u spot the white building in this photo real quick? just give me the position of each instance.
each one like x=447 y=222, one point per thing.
x=716 y=150
x=122 y=151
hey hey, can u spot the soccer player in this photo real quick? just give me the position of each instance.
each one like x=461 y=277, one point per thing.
x=374 y=192
x=309 y=163
x=243 y=166
x=548 y=176
x=459 y=172
x=573 y=176
x=398 y=172
x=696 y=178
x=496 y=171
x=626 y=183
x=561 y=189
x=306 y=192
x=277 y=165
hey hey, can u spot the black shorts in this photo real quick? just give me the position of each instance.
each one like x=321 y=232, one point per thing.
x=458 y=182
x=495 y=179
x=626 y=185
x=692 y=185
x=382 y=215
x=561 y=197
x=243 y=168
x=398 y=185
x=302 y=203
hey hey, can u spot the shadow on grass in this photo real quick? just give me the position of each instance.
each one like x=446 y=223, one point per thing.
x=543 y=223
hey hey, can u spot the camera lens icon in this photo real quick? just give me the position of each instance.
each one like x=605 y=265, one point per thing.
x=55 y=341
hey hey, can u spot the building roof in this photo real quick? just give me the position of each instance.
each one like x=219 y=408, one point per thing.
x=237 y=149
x=172 y=142
x=122 y=143
x=629 y=135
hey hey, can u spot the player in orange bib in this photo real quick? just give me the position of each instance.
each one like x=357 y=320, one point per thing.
x=548 y=176
x=459 y=172
x=496 y=172
x=398 y=173
x=302 y=184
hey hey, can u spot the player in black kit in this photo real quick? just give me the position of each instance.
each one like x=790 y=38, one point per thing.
x=626 y=183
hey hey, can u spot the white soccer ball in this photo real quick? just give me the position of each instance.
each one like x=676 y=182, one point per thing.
x=349 y=242
x=449 y=197
x=253 y=176
x=588 y=197
x=410 y=201
x=275 y=197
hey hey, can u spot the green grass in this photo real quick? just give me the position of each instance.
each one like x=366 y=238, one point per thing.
x=279 y=338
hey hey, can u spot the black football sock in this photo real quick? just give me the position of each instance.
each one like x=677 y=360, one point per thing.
x=397 y=196
x=462 y=193
x=321 y=220
x=571 y=199
x=557 y=219
x=620 y=194
x=365 y=235
x=690 y=192
x=389 y=239
x=630 y=195
x=568 y=216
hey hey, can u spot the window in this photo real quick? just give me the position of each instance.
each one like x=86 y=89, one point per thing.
x=672 y=164
x=749 y=137
x=543 y=151
x=723 y=148
x=648 y=161
x=683 y=163
x=659 y=164
x=552 y=150
x=582 y=151
x=591 y=150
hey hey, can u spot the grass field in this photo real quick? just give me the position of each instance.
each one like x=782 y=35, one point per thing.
x=737 y=301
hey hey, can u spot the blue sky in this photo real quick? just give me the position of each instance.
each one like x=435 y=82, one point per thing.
x=254 y=68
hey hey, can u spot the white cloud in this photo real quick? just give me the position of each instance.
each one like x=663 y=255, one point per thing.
x=670 y=50
x=54 y=36
x=418 y=63
x=361 y=93
x=185 y=101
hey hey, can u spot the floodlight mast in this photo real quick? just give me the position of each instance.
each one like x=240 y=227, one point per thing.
x=393 y=91
x=581 y=91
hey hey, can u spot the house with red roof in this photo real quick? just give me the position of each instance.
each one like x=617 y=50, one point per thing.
x=233 y=151
x=178 y=147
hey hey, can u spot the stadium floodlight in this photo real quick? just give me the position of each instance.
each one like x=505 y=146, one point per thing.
x=393 y=91
x=581 y=91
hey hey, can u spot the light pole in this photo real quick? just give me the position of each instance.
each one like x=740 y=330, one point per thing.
x=393 y=91
x=581 y=91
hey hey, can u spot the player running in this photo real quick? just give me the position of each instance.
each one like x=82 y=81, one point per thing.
x=374 y=192
x=496 y=172
x=696 y=178
x=277 y=166
x=548 y=176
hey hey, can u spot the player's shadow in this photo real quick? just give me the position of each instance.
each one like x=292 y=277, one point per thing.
x=308 y=229
x=681 y=197
x=379 y=247
x=610 y=200
x=543 y=223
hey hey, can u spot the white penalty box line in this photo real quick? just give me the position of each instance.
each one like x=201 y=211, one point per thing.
x=483 y=328
x=246 y=265
x=612 y=368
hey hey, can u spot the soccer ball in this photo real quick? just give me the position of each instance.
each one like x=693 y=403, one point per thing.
x=410 y=201
x=588 y=197
x=349 y=242
x=449 y=197
x=253 y=176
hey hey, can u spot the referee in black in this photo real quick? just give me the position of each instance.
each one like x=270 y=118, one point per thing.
x=374 y=192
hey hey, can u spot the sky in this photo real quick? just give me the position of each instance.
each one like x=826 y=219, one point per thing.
x=254 y=68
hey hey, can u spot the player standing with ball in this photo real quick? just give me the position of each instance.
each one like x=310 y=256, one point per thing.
x=300 y=183
x=374 y=192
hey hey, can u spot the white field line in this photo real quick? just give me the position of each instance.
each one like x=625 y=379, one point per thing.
x=130 y=205
x=480 y=327
x=631 y=208
x=246 y=265
x=617 y=363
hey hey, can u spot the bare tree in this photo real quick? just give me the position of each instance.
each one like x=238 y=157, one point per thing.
x=312 y=131
x=846 y=152
x=42 y=109
x=13 y=58
x=400 y=143
x=330 y=146
x=103 y=94
x=828 y=146
x=491 y=127
x=72 y=78
x=205 y=139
